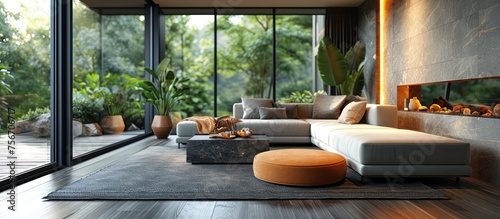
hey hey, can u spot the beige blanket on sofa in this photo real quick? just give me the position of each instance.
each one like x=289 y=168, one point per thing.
x=205 y=124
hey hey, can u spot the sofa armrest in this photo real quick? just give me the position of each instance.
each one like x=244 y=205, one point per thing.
x=238 y=110
x=382 y=115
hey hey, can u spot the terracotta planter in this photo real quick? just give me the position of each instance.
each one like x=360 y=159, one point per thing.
x=162 y=125
x=112 y=125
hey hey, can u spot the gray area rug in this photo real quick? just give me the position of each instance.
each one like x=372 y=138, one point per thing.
x=161 y=173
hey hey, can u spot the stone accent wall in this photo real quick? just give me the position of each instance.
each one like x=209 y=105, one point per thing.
x=441 y=40
x=367 y=30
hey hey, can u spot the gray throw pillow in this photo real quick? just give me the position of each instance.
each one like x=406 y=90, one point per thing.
x=327 y=107
x=291 y=110
x=272 y=113
x=250 y=106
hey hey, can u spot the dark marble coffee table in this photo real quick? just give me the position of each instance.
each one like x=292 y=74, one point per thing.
x=203 y=149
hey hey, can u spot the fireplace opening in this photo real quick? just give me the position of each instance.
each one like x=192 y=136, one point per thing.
x=474 y=97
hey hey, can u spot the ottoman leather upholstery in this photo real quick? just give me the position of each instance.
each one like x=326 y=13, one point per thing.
x=299 y=167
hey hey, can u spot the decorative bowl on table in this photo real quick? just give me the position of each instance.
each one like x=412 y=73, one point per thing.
x=244 y=132
x=225 y=135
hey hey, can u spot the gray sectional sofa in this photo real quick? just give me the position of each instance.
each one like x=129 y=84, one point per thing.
x=374 y=148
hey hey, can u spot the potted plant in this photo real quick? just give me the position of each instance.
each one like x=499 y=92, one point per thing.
x=112 y=122
x=346 y=72
x=164 y=92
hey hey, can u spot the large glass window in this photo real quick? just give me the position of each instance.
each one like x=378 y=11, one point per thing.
x=108 y=61
x=294 y=55
x=189 y=45
x=24 y=84
x=244 y=59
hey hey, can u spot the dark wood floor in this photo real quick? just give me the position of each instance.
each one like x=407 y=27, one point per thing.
x=468 y=199
x=32 y=152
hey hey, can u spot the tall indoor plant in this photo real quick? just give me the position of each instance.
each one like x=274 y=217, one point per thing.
x=164 y=92
x=346 y=72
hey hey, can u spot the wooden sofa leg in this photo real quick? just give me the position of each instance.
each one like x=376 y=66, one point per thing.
x=178 y=145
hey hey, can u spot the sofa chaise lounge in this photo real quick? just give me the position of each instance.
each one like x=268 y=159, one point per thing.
x=375 y=148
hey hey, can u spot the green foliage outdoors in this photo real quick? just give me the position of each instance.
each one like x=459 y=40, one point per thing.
x=244 y=58
x=304 y=96
x=26 y=55
x=108 y=60
x=34 y=113
x=108 y=52
x=22 y=103
x=4 y=87
x=86 y=109
x=246 y=54
x=290 y=87
x=190 y=51
x=134 y=116
x=198 y=98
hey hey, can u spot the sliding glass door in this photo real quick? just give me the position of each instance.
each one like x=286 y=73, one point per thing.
x=108 y=62
x=24 y=86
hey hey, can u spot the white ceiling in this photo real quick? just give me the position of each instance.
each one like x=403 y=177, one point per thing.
x=224 y=3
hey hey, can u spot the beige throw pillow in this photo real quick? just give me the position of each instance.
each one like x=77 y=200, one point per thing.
x=353 y=113
x=327 y=107
x=251 y=106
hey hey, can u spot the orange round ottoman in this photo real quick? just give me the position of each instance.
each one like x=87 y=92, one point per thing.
x=299 y=167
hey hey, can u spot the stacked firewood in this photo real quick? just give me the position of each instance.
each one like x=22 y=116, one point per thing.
x=443 y=106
